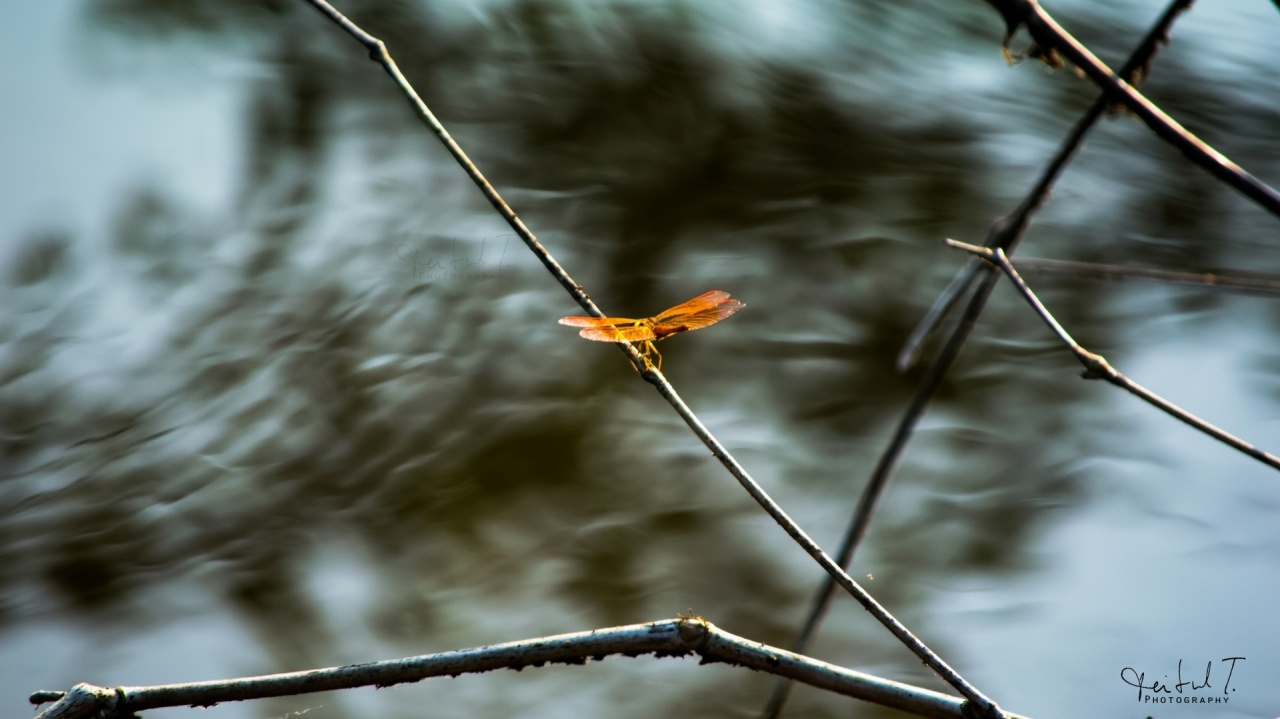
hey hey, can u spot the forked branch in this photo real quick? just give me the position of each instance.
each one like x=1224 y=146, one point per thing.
x=670 y=638
x=1005 y=232
x=1097 y=367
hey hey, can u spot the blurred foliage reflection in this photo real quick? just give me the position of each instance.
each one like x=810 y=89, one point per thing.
x=250 y=387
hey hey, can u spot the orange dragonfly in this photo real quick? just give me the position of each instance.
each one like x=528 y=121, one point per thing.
x=702 y=311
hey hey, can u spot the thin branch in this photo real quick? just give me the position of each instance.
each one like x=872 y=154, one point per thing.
x=1008 y=231
x=943 y=305
x=1005 y=232
x=1097 y=367
x=378 y=52
x=857 y=527
x=670 y=638
x=837 y=573
x=1099 y=270
x=1047 y=33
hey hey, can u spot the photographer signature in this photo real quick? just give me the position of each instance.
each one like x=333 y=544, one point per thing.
x=1134 y=678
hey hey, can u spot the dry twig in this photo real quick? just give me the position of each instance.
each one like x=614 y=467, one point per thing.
x=1005 y=232
x=669 y=638
x=379 y=54
x=1097 y=367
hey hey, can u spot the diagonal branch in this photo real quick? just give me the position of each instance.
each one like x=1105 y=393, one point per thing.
x=1008 y=230
x=1097 y=367
x=669 y=638
x=880 y=478
x=378 y=53
x=1048 y=34
x=1005 y=232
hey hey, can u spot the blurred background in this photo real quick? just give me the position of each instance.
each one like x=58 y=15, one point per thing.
x=278 y=389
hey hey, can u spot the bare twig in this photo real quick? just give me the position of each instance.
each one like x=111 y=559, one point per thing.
x=1106 y=271
x=879 y=478
x=1008 y=231
x=835 y=571
x=1097 y=367
x=947 y=300
x=1005 y=232
x=378 y=52
x=669 y=638
x=1048 y=34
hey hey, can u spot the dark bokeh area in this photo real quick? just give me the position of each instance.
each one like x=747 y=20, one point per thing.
x=355 y=358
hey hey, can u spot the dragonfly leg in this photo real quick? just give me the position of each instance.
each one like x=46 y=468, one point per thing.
x=650 y=351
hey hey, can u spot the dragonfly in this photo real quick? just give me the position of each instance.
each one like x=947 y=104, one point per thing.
x=704 y=310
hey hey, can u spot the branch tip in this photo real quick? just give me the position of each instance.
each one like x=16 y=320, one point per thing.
x=44 y=696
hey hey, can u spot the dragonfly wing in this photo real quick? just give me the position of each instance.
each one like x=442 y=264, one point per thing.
x=706 y=309
x=697 y=304
x=611 y=329
x=699 y=318
x=579 y=321
x=613 y=333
